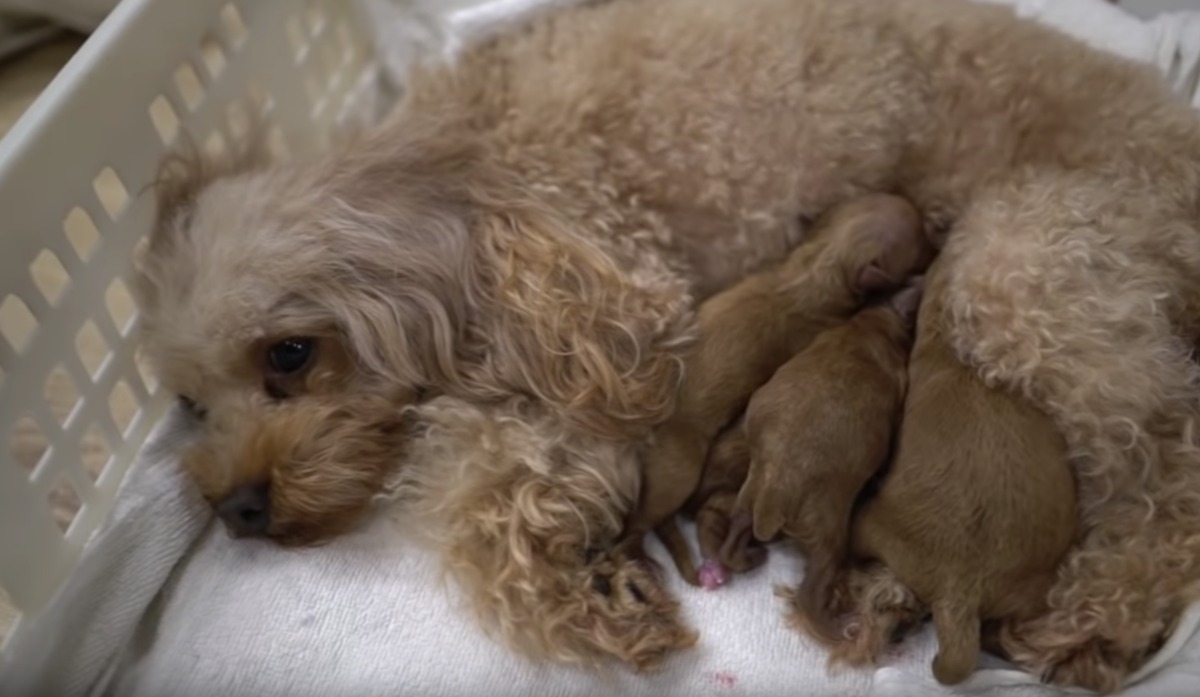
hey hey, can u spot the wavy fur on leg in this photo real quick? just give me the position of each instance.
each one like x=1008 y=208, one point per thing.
x=869 y=605
x=521 y=514
x=1048 y=276
x=1121 y=593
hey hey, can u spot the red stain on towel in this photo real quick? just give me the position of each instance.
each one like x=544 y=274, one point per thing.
x=723 y=679
x=894 y=654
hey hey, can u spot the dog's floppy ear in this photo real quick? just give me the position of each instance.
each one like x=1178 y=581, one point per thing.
x=186 y=170
x=568 y=327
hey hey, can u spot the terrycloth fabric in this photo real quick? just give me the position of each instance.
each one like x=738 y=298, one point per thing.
x=365 y=615
x=1174 y=672
x=71 y=646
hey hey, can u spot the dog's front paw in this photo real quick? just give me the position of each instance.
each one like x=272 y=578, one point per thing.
x=630 y=616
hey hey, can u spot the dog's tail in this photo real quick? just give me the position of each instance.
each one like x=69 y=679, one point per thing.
x=957 y=624
x=671 y=536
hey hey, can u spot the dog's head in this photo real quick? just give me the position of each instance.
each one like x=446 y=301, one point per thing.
x=297 y=309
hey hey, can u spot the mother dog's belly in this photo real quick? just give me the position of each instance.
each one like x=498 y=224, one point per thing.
x=720 y=250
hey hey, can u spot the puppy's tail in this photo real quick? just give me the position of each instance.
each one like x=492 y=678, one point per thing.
x=957 y=624
x=813 y=600
x=671 y=536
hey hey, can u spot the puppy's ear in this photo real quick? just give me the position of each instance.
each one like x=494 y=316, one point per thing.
x=873 y=277
x=889 y=230
x=768 y=518
x=907 y=301
x=570 y=328
x=757 y=508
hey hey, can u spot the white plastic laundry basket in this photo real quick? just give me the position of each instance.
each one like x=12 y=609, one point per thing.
x=75 y=402
x=76 y=405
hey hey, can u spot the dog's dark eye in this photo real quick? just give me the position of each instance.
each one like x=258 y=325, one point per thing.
x=290 y=355
x=194 y=410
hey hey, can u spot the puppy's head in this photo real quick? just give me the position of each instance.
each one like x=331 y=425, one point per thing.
x=875 y=242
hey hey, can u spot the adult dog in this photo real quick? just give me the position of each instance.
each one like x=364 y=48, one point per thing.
x=483 y=305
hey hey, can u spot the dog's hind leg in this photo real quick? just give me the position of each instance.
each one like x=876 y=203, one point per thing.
x=1072 y=291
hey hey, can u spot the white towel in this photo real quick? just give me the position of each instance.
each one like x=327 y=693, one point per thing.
x=366 y=616
x=69 y=648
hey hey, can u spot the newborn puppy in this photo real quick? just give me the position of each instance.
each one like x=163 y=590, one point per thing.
x=870 y=244
x=712 y=507
x=978 y=508
x=818 y=432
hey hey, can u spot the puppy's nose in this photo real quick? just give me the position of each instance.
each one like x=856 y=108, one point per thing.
x=246 y=510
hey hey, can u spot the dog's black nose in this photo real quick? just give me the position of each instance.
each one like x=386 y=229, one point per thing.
x=246 y=510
